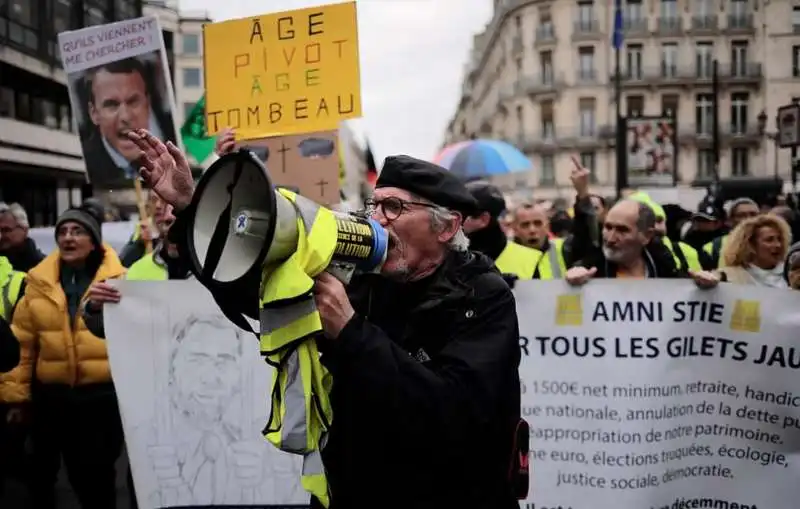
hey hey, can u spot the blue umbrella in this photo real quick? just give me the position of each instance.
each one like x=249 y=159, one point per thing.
x=480 y=158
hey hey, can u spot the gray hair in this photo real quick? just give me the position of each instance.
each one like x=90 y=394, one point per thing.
x=442 y=218
x=17 y=211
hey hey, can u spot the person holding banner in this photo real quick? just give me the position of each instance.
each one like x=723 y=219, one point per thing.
x=630 y=250
x=424 y=358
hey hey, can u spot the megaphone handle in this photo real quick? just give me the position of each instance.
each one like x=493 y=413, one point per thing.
x=343 y=273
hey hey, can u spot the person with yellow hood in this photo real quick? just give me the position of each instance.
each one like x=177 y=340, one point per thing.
x=513 y=260
x=74 y=407
x=686 y=257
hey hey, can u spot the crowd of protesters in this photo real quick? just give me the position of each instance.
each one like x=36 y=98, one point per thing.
x=57 y=400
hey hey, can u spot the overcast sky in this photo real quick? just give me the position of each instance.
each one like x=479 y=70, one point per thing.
x=412 y=58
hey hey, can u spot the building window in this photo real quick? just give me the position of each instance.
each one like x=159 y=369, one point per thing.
x=586 y=112
x=548 y=124
x=633 y=12
x=187 y=109
x=545 y=31
x=191 y=44
x=634 y=105
x=740 y=162
x=705 y=163
x=796 y=19
x=520 y=123
x=704 y=58
x=588 y=162
x=65 y=118
x=586 y=16
x=796 y=61
x=704 y=114
x=669 y=9
x=739 y=10
x=703 y=8
x=7 y=107
x=23 y=16
x=548 y=166
x=669 y=105
x=546 y=62
x=634 y=61
x=191 y=77
x=125 y=9
x=669 y=60
x=739 y=113
x=586 y=63
x=739 y=58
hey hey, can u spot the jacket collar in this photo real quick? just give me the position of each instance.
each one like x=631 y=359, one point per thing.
x=45 y=277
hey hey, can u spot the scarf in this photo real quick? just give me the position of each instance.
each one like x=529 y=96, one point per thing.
x=772 y=278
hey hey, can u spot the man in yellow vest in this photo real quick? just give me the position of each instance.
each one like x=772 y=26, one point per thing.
x=686 y=257
x=513 y=260
x=740 y=209
x=12 y=285
x=424 y=357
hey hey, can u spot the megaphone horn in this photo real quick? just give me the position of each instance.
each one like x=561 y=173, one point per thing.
x=239 y=224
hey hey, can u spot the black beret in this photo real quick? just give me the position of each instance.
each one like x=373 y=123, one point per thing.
x=428 y=181
x=489 y=197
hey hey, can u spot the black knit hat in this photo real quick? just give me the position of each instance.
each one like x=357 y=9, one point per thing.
x=85 y=216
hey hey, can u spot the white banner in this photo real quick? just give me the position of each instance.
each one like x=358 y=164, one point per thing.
x=193 y=394
x=659 y=395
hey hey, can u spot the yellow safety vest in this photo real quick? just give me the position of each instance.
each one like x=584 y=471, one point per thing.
x=10 y=286
x=690 y=253
x=552 y=264
x=716 y=254
x=289 y=321
x=147 y=269
x=518 y=260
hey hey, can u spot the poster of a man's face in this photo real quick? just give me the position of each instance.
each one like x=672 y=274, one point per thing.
x=118 y=81
x=118 y=102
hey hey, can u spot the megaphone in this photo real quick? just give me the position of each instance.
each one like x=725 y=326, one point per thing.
x=239 y=225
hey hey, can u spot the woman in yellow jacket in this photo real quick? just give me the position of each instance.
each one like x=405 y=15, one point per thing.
x=74 y=410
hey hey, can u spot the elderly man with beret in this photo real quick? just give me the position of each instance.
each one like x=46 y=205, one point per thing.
x=424 y=356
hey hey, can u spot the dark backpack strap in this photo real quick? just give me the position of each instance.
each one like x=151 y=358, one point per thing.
x=676 y=246
x=716 y=249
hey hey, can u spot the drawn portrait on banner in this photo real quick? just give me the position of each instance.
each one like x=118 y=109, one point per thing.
x=194 y=432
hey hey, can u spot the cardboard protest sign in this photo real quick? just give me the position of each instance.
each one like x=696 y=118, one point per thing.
x=307 y=162
x=118 y=80
x=284 y=73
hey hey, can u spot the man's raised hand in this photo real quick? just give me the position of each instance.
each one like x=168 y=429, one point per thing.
x=164 y=169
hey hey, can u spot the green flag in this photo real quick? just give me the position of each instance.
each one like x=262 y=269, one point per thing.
x=193 y=133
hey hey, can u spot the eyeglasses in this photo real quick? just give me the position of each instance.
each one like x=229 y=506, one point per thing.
x=71 y=232
x=392 y=207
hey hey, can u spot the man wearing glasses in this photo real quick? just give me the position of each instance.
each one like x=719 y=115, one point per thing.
x=424 y=356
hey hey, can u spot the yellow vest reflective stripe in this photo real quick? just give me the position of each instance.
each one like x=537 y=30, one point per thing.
x=146 y=269
x=552 y=265
x=692 y=258
x=289 y=322
x=714 y=249
x=518 y=260
x=10 y=285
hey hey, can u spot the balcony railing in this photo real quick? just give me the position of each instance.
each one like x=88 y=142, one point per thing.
x=705 y=23
x=635 y=25
x=539 y=83
x=736 y=72
x=545 y=33
x=742 y=22
x=585 y=29
x=670 y=25
x=586 y=76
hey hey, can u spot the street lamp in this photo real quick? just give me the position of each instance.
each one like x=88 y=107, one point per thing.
x=762 y=130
